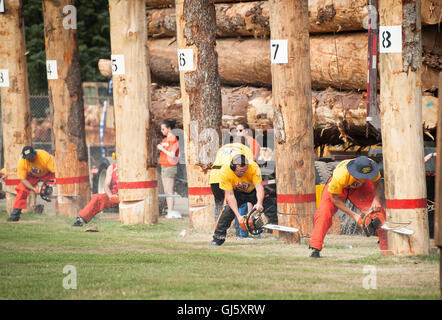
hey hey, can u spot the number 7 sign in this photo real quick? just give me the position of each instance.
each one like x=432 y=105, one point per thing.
x=279 y=51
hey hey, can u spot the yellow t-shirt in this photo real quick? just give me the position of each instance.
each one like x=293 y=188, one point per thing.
x=42 y=164
x=342 y=179
x=228 y=180
x=225 y=155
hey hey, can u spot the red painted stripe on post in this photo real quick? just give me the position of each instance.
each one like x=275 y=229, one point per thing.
x=138 y=185
x=406 y=203
x=295 y=198
x=12 y=182
x=199 y=191
x=72 y=180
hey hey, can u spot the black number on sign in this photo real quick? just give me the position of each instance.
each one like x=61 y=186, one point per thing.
x=386 y=43
x=1 y=76
x=275 y=45
x=49 y=69
x=114 y=65
x=182 y=60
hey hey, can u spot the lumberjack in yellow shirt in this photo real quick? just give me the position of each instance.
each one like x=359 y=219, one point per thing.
x=242 y=183
x=357 y=179
x=33 y=166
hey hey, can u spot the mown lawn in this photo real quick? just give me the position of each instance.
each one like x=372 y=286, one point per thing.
x=156 y=262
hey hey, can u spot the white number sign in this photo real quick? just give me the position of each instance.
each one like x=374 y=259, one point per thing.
x=2 y=6
x=185 y=60
x=279 y=51
x=4 y=78
x=117 y=64
x=51 y=69
x=390 y=39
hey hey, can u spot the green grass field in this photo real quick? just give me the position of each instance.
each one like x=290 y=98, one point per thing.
x=156 y=262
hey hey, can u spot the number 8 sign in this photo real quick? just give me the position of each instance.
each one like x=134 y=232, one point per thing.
x=390 y=39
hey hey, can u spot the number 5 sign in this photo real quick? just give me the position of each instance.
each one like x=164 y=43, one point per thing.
x=390 y=39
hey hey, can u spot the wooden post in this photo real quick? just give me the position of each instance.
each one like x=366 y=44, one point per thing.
x=16 y=114
x=293 y=117
x=137 y=172
x=66 y=98
x=438 y=182
x=201 y=99
x=400 y=50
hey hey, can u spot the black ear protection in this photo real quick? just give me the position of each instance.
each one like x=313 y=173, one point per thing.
x=33 y=151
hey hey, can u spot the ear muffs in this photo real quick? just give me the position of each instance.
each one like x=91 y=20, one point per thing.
x=238 y=159
x=34 y=152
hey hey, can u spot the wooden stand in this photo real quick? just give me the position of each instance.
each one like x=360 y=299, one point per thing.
x=401 y=103
x=293 y=117
x=16 y=114
x=66 y=98
x=438 y=182
x=137 y=172
x=201 y=99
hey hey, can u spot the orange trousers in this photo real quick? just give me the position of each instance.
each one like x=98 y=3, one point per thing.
x=23 y=192
x=99 y=202
x=361 y=197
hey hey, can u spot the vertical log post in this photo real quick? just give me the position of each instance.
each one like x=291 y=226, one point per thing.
x=66 y=98
x=293 y=120
x=401 y=113
x=438 y=181
x=16 y=114
x=201 y=99
x=137 y=172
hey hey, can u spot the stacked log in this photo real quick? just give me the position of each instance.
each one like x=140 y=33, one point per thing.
x=338 y=54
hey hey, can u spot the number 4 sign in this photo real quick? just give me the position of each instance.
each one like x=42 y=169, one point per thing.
x=390 y=39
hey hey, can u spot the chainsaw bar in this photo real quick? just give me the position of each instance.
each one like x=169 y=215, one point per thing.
x=402 y=230
x=280 y=228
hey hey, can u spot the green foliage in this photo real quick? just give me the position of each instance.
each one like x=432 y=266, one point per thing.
x=93 y=40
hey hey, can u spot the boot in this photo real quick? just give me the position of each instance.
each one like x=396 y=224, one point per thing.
x=15 y=215
x=79 y=222
x=315 y=253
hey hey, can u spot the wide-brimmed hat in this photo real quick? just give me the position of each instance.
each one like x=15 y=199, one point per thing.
x=363 y=168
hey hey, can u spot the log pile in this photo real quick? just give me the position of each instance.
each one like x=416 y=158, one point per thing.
x=338 y=54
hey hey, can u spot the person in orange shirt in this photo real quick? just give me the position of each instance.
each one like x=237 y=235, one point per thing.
x=243 y=129
x=168 y=161
x=34 y=165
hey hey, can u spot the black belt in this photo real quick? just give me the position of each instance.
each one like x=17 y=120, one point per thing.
x=216 y=167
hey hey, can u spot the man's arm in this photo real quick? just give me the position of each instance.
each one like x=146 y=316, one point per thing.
x=337 y=201
x=107 y=181
x=27 y=184
x=231 y=201
x=259 y=196
x=376 y=205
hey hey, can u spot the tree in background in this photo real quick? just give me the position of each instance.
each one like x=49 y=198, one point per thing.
x=93 y=41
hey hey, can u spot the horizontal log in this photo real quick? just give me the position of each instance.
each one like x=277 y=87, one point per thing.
x=251 y=19
x=336 y=61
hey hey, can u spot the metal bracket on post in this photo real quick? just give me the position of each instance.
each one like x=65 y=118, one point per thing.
x=373 y=113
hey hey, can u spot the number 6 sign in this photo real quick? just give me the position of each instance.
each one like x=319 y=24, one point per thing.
x=185 y=60
x=390 y=39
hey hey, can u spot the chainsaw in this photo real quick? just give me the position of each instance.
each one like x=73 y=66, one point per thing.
x=256 y=222
x=371 y=221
